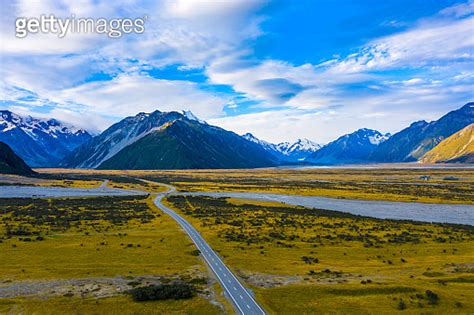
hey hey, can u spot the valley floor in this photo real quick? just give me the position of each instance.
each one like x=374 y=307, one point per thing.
x=420 y=184
x=299 y=260
x=80 y=255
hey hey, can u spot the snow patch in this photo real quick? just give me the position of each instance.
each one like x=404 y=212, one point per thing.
x=378 y=138
x=189 y=115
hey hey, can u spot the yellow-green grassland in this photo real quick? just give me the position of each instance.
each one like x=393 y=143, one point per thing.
x=410 y=183
x=314 y=261
x=82 y=255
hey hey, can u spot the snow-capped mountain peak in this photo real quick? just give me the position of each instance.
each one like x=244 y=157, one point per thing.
x=287 y=151
x=266 y=145
x=370 y=135
x=349 y=148
x=300 y=145
x=40 y=142
x=252 y=138
x=30 y=125
x=304 y=145
x=189 y=115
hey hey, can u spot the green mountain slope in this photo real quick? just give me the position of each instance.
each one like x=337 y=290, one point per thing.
x=10 y=163
x=457 y=148
x=188 y=144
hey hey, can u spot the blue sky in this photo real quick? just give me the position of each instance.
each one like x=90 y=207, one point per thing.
x=279 y=69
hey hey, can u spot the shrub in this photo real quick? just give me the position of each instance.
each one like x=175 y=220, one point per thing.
x=195 y=252
x=432 y=297
x=401 y=305
x=175 y=291
x=310 y=260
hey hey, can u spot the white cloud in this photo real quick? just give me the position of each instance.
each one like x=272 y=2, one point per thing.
x=184 y=31
x=414 y=81
x=190 y=33
x=459 y=10
x=210 y=9
x=429 y=44
x=129 y=94
x=440 y=49
x=270 y=81
x=288 y=125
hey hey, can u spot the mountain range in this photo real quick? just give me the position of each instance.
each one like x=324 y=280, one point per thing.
x=179 y=140
x=41 y=143
x=413 y=142
x=10 y=163
x=168 y=140
x=287 y=151
x=349 y=149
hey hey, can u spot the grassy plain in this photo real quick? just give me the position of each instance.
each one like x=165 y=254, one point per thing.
x=310 y=261
x=122 y=305
x=296 y=260
x=444 y=185
x=93 y=249
x=89 y=237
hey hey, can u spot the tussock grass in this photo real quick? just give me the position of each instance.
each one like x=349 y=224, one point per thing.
x=304 y=261
x=123 y=305
x=86 y=237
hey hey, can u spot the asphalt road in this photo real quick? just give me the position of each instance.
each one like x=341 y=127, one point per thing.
x=238 y=294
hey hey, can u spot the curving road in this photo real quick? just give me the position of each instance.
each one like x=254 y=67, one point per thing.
x=239 y=295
